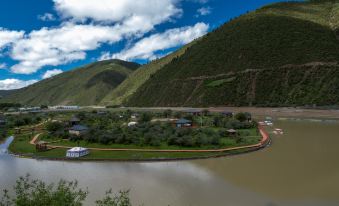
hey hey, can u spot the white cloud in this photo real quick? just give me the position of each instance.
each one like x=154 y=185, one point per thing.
x=151 y=11
x=70 y=42
x=51 y=73
x=8 y=84
x=147 y=47
x=65 y=44
x=8 y=37
x=203 y=11
x=47 y=17
x=3 y=66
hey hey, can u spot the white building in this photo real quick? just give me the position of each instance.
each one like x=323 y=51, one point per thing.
x=62 y=107
x=76 y=152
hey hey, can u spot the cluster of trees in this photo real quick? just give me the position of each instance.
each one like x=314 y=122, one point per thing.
x=22 y=120
x=111 y=128
x=37 y=192
x=157 y=134
x=6 y=106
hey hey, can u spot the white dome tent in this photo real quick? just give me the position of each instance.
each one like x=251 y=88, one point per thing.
x=76 y=152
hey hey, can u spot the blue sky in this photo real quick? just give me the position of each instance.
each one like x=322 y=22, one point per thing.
x=41 y=38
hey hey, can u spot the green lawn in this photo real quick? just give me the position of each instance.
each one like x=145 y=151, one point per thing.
x=21 y=145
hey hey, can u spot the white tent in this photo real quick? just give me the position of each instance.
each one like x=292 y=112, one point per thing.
x=77 y=152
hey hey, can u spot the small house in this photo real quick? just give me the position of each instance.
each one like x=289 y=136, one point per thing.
x=232 y=132
x=78 y=130
x=77 y=152
x=41 y=146
x=227 y=114
x=74 y=121
x=183 y=123
x=102 y=113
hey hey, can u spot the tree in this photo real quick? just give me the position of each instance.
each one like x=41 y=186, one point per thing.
x=145 y=117
x=36 y=192
x=205 y=112
x=120 y=199
x=54 y=126
x=167 y=113
x=43 y=107
x=241 y=117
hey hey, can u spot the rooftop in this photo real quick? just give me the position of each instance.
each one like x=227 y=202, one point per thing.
x=77 y=149
x=79 y=128
x=183 y=121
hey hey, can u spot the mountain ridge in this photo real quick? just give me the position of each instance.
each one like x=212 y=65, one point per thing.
x=86 y=85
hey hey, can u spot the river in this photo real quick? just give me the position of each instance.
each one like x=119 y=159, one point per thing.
x=299 y=168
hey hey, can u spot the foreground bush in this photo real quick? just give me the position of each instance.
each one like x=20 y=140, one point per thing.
x=28 y=192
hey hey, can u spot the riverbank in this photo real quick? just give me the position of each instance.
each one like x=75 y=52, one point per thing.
x=125 y=154
x=288 y=112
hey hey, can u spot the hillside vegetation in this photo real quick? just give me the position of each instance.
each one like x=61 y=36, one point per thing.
x=84 y=86
x=4 y=93
x=282 y=54
x=139 y=77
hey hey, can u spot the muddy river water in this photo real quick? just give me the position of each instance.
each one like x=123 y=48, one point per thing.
x=300 y=167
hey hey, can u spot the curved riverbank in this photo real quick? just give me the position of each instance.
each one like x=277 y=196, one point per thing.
x=182 y=154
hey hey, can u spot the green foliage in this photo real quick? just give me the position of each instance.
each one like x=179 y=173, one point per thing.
x=122 y=93
x=120 y=199
x=36 y=192
x=145 y=117
x=111 y=129
x=5 y=106
x=30 y=192
x=284 y=54
x=241 y=117
x=54 y=126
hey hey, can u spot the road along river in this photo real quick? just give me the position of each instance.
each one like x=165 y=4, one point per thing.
x=299 y=168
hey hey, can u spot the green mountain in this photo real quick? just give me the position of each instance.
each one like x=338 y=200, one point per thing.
x=4 y=93
x=282 y=54
x=87 y=85
x=128 y=87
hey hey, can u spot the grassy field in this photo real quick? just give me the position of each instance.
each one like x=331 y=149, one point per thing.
x=21 y=145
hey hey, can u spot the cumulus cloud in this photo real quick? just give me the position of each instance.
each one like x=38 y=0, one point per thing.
x=203 y=11
x=51 y=73
x=62 y=45
x=8 y=37
x=150 y=11
x=47 y=17
x=70 y=42
x=147 y=47
x=8 y=84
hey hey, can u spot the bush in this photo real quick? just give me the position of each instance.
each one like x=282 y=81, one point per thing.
x=36 y=192
x=54 y=126
x=241 y=117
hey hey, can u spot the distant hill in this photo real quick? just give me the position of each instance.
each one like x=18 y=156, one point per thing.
x=283 y=54
x=4 y=93
x=87 y=85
